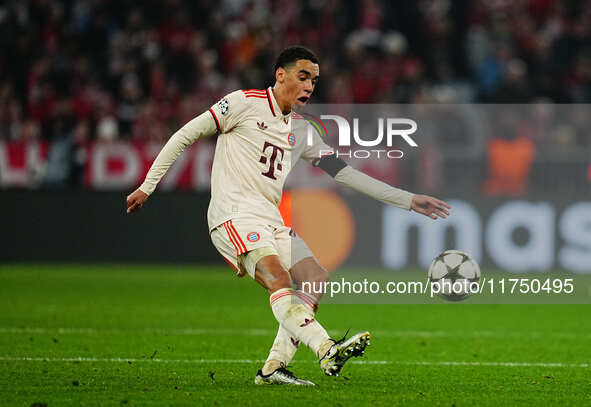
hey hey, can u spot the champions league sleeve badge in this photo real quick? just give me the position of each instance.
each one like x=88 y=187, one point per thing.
x=223 y=106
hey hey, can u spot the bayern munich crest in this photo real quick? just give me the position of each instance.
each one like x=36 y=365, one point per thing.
x=253 y=236
x=291 y=139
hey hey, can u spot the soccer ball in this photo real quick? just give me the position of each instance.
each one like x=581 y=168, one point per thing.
x=454 y=275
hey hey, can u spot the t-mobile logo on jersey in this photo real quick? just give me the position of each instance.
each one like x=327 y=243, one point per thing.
x=274 y=157
x=388 y=127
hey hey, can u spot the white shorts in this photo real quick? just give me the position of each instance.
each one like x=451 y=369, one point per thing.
x=237 y=237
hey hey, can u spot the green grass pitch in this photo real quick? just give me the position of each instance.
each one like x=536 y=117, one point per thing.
x=141 y=336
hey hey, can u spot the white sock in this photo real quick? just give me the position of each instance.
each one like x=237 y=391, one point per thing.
x=285 y=345
x=297 y=318
x=282 y=352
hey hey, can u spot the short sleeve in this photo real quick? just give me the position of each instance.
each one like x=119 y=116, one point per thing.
x=229 y=111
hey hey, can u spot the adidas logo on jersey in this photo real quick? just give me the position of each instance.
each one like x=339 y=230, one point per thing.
x=262 y=126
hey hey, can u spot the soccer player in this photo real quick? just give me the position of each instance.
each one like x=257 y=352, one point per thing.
x=255 y=151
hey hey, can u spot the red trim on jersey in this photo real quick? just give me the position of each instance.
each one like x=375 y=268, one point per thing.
x=238 y=236
x=256 y=96
x=270 y=102
x=232 y=239
x=217 y=123
x=255 y=93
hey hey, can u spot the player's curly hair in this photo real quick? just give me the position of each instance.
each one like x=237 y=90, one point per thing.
x=291 y=54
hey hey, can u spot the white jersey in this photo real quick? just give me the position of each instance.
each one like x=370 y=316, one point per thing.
x=256 y=149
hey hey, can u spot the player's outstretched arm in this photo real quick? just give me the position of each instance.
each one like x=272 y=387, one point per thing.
x=361 y=182
x=202 y=125
x=351 y=178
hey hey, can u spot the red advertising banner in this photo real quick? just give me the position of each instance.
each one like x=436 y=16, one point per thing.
x=123 y=165
x=22 y=163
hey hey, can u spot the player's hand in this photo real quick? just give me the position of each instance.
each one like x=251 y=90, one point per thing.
x=429 y=206
x=135 y=200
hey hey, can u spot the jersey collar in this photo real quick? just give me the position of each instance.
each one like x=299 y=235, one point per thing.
x=274 y=106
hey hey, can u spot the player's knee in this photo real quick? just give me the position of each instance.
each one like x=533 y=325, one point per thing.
x=281 y=280
x=308 y=270
x=271 y=274
x=277 y=279
x=320 y=275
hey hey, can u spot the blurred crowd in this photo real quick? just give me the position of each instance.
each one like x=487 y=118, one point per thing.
x=127 y=69
x=82 y=70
